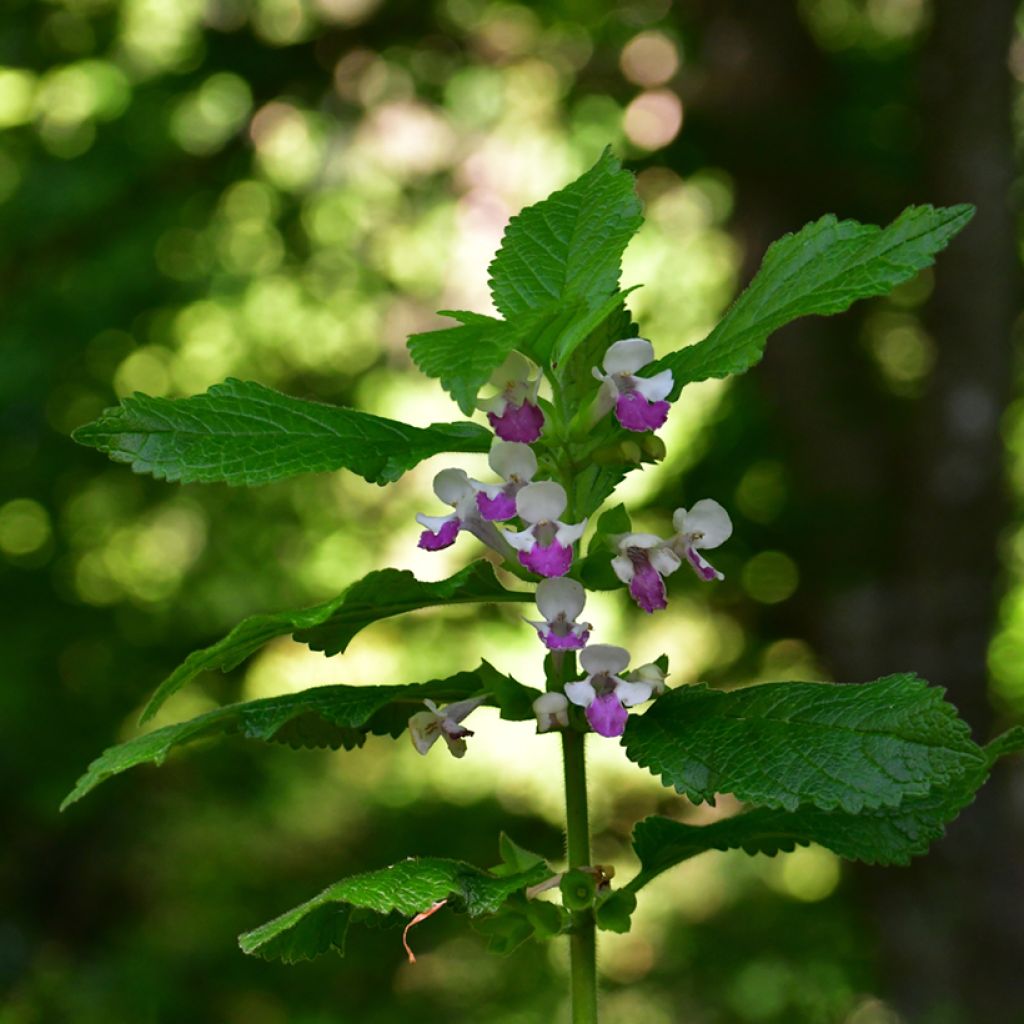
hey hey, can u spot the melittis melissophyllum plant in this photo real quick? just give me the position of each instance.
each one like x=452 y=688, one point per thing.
x=567 y=398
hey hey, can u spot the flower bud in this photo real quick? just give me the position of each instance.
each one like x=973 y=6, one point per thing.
x=552 y=711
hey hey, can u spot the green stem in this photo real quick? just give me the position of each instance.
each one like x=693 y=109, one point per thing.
x=582 y=938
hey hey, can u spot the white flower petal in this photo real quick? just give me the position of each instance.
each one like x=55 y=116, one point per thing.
x=639 y=540
x=511 y=459
x=491 y=490
x=656 y=388
x=569 y=533
x=550 y=703
x=581 y=693
x=623 y=568
x=458 y=711
x=628 y=355
x=650 y=674
x=632 y=693
x=536 y=503
x=451 y=485
x=707 y=517
x=604 y=658
x=424 y=729
x=664 y=560
x=496 y=404
x=521 y=540
x=434 y=523
x=560 y=596
x=516 y=369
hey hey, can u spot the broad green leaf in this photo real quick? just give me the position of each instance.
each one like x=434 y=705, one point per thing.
x=881 y=835
x=822 y=269
x=244 y=434
x=463 y=358
x=832 y=746
x=324 y=716
x=329 y=627
x=407 y=888
x=584 y=325
x=569 y=246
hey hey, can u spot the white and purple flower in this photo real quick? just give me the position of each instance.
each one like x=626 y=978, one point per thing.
x=651 y=674
x=560 y=601
x=516 y=464
x=706 y=525
x=604 y=692
x=455 y=488
x=545 y=546
x=552 y=711
x=639 y=402
x=643 y=561
x=513 y=412
x=426 y=727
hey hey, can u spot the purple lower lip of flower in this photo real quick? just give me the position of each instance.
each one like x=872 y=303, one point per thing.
x=518 y=422
x=552 y=559
x=648 y=588
x=496 y=509
x=569 y=642
x=444 y=538
x=704 y=569
x=606 y=715
x=634 y=412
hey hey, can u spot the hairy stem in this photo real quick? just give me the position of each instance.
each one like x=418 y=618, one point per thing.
x=582 y=937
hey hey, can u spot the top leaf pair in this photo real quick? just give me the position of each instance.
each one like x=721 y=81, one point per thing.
x=555 y=280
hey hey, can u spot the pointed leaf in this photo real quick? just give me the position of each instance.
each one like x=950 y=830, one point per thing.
x=463 y=358
x=881 y=835
x=243 y=434
x=822 y=269
x=407 y=888
x=786 y=744
x=329 y=627
x=323 y=716
x=568 y=246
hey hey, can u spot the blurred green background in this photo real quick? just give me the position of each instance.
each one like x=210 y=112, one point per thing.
x=283 y=190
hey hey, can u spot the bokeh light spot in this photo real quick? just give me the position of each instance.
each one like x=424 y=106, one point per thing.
x=653 y=119
x=17 y=96
x=770 y=577
x=205 y=119
x=24 y=527
x=808 y=874
x=649 y=59
x=761 y=492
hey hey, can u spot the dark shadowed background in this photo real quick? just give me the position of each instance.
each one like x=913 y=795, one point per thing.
x=283 y=190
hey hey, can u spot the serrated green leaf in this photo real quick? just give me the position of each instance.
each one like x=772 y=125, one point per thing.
x=407 y=888
x=329 y=627
x=569 y=246
x=829 y=745
x=515 y=858
x=323 y=716
x=463 y=358
x=881 y=835
x=244 y=434
x=821 y=269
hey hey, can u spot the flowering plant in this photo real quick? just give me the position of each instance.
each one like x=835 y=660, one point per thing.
x=573 y=400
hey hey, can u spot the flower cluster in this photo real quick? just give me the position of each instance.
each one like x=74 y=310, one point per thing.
x=544 y=544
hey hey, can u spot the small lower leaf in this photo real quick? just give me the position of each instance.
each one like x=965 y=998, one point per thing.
x=408 y=888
